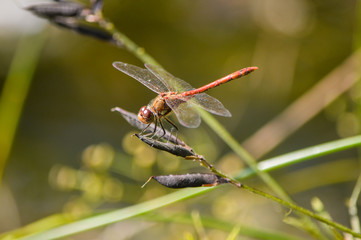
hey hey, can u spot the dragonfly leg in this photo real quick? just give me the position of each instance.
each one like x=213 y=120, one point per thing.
x=161 y=125
x=141 y=133
x=154 y=130
x=176 y=128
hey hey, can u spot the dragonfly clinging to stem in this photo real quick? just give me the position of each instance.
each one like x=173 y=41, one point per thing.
x=176 y=95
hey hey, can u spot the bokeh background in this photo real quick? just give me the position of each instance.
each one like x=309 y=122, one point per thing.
x=71 y=153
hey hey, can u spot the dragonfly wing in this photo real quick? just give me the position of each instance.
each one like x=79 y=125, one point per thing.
x=187 y=115
x=143 y=76
x=174 y=84
x=210 y=104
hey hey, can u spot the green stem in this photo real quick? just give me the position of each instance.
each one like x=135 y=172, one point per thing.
x=302 y=210
x=352 y=208
x=15 y=91
x=310 y=153
x=234 y=145
x=123 y=40
x=284 y=203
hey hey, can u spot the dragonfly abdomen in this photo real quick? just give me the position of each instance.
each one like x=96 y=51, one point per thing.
x=232 y=76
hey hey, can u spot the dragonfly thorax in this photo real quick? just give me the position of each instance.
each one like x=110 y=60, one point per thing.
x=157 y=108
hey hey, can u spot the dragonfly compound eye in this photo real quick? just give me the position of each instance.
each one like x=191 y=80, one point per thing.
x=145 y=115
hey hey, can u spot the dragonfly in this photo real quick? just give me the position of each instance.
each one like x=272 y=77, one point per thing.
x=176 y=95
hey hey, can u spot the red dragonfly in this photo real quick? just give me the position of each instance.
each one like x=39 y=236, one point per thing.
x=176 y=95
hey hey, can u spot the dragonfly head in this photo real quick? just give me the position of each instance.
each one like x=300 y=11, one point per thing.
x=145 y=115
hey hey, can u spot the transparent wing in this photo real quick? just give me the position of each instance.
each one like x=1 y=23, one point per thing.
x=187 y=115
x=182 y=106
x=210 y=104
x=173 y=84
x=143 y=76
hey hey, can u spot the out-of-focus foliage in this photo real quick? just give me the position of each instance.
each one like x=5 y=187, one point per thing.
x=72 y=154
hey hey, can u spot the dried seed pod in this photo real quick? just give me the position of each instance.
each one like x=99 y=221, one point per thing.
x=132 y=119
x=189 y=180
x=83 y=27
x=175 y=149
x=59 y=9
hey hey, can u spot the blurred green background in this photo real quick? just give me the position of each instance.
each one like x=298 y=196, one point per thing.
x=70 y=153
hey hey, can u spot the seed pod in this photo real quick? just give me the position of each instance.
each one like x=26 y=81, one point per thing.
x=132 y=119
x=59 y=9
x=83 y=28
x=189 y=180
x=175 y=149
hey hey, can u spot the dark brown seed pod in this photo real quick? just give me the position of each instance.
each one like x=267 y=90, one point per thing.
x=189 y=180
x=83 y=27
x=175 y=149
x=132 y=119
x=58 y=9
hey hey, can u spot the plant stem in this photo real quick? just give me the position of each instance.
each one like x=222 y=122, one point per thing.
x=15 y=91
x=301 y=210
x=123 y=40
x=352 y=209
